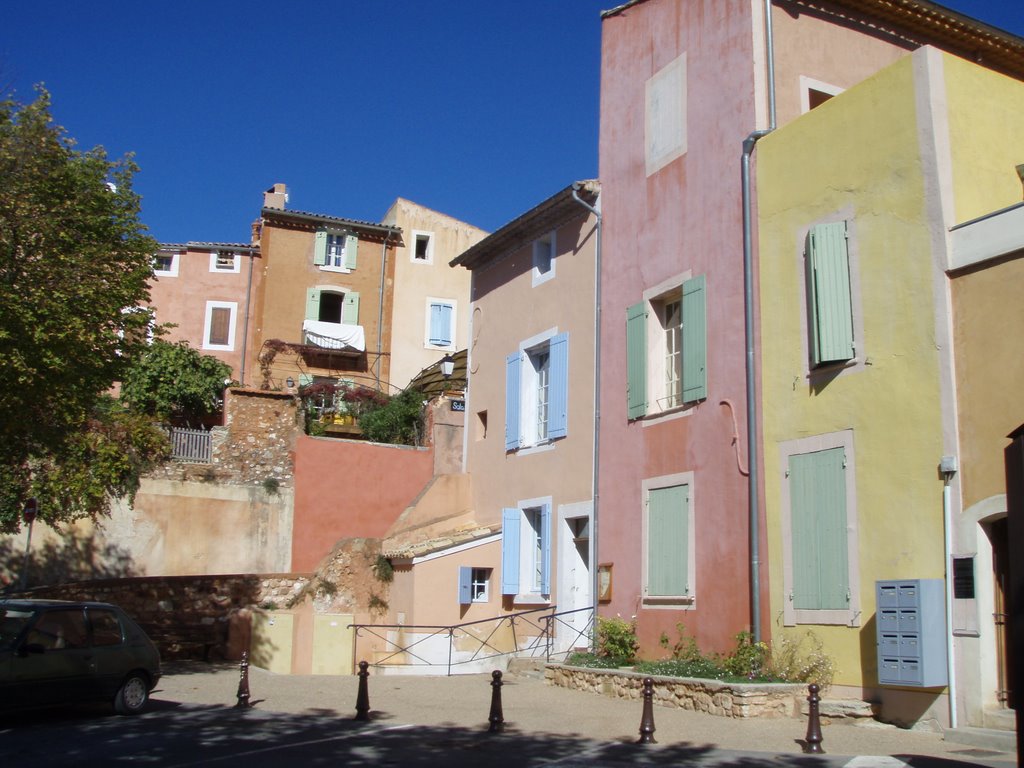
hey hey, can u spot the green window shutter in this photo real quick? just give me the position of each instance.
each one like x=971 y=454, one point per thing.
x=695 y=347
x=320 y=248
x=817 y=492
x=312 y=304
x=668 y=541
x=350 y=309
x=636 y=360
x=351 y=247
x=829 y=305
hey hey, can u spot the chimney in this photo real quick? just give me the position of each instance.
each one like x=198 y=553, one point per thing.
x=276 y=197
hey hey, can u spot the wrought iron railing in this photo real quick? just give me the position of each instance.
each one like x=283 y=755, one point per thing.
x=537 y=633
x=191 y=445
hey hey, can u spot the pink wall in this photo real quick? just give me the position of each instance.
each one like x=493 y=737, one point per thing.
x=349 y=488
x=684 y=217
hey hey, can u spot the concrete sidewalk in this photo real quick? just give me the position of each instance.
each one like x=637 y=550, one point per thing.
x=554 y=725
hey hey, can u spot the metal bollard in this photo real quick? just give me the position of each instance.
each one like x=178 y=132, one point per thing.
x=363 y=697
x=243 y=682
x=812 y=744
x=647 y=721
x=497 y=717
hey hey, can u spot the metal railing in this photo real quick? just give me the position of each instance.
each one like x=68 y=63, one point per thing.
x=191 y=445
x=525 y=634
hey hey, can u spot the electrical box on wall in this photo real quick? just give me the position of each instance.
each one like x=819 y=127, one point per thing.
x=911 y=632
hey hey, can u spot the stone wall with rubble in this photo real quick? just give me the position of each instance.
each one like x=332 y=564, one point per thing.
x=738 y=700
x=255 y=446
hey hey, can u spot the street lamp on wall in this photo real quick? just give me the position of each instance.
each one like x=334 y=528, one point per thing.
x=447 y=366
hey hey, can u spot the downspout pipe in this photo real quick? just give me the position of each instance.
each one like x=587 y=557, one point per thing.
x=595 y=473
x=380 y=305
x=947 y=525
x=245 y=329
x=753 y=461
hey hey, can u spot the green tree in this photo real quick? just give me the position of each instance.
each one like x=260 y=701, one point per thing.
x=173 y=382
x=74 y=265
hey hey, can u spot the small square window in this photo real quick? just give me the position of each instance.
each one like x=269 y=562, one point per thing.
x=479 y=585
x=421 y=250
x=223 y=261
x=165 y=264
x=544 y=258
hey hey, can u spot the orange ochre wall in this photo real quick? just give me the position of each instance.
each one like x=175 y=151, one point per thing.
x=346 y=489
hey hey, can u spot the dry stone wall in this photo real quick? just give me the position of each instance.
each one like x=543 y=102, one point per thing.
x=710 y=696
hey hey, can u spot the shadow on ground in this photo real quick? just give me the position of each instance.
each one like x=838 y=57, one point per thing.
x=173 y=734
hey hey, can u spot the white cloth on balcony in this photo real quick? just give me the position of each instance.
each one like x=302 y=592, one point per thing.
x=334 y=335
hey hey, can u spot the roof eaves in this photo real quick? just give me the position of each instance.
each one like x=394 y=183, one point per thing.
x=321 y=218
x=542 y=217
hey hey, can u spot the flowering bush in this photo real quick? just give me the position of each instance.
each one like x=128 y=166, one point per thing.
x=616 y=639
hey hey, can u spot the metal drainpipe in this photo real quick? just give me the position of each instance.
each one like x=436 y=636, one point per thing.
x=748 y=313
x=947 y=525
x=380 y=305
x=245 y=330
x=597 y=405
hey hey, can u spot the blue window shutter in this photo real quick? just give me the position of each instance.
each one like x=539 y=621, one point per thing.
x=351 y=248
x=440 y=324
x=636 y=360
x=545 y=545
x=817 y=492
x=510 y=521
x=320 y=248
x=312 y=304
x=558 y=388
x=465 y=585
x=512 y=401
x=668 y=541
x=350 y=309
x=829 y=305
x=695 y=351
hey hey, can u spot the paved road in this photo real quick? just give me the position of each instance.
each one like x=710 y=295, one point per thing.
x=418 y=721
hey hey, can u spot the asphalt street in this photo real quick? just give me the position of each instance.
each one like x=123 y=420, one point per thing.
x=419 y=721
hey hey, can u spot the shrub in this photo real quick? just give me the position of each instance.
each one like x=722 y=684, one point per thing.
x=801 y=660
x=397 y=422
x=749 y=659
x=616 y=639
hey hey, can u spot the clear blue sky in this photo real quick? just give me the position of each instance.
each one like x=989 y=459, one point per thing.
x=476 y=108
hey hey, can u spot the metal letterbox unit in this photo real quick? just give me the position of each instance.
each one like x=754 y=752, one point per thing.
x=911 y=632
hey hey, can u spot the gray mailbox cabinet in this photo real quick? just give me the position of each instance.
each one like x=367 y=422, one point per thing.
x=911 y=632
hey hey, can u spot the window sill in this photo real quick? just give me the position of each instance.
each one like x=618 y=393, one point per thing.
x=678 y=412
x=339 y=270
x=531 y=599
x=526 y=450
x=687 y=602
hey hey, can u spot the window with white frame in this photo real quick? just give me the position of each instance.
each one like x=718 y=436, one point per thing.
x=474 y=585
x=422 y=251
x=335 y=250
x=219 y=325
x=224 y=261
x=526 y=550
x=666 y=348
x=829 y=296
x=665 y=132
x=814 y=93
x=332 y=305
x=165 y=263
x=440 y=324
x=819 y=521
x=537 y=391
x=669 y=551
x=544 y=258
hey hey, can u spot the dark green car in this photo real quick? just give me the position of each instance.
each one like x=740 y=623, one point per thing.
x=55 y=652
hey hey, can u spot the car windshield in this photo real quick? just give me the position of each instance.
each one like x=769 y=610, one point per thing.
x=12 y=622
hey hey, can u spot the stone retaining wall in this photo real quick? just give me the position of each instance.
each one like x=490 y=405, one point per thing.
x=771 y=700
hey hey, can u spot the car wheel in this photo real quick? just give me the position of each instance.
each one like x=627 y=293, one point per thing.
x=132 y=696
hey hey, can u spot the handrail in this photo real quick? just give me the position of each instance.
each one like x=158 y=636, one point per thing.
x=488 y=647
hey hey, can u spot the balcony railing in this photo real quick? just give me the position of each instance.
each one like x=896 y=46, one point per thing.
x=542 y=633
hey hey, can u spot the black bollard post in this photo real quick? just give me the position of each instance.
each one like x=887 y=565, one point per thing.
x=363 y=697
x=497 y=717
x=647 y=721
x=243 y=682
x=812 y=744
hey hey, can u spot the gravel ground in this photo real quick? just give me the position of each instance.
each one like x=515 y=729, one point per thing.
x=533 y=708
